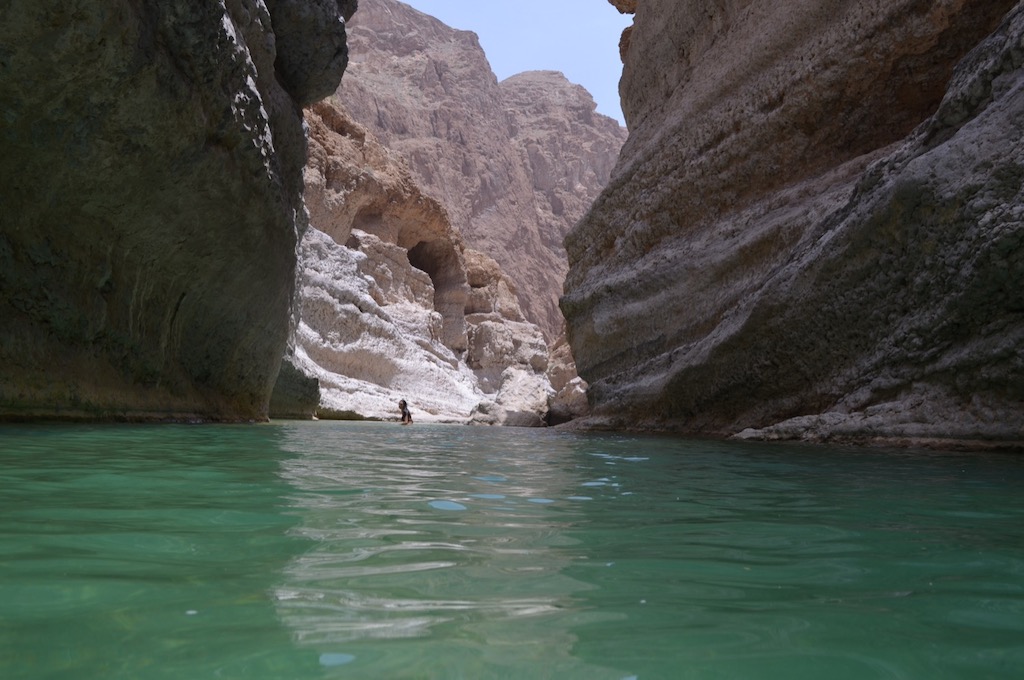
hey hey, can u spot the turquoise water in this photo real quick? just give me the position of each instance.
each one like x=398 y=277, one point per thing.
x=340 y=550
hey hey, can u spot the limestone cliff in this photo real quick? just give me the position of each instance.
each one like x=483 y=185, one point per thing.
x=815 y=228
x=392 y=306
x=514 y=163
x=151 y=181
x=508 y=354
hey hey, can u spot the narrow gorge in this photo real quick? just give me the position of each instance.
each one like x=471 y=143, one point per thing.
x=812 y=231
x=168 y=237
x=326 y=353
x=439 y=198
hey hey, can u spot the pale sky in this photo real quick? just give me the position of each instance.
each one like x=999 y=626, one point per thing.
x=580 y=38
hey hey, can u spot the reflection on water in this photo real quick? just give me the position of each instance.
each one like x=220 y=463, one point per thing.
x=459 y=552
x=441 y=534
x=137 y=552
x=333 y=550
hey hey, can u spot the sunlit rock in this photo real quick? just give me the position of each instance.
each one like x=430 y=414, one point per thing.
x=392 y=307
x=569 y=401
x=515 y=163
x=508 y=355
x=368 y=332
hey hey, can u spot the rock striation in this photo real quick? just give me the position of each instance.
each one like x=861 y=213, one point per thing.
x=392 y=306
x=814 y=230
x=151 y=185
x=515 y=163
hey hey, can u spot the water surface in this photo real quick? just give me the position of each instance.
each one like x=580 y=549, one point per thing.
x=341 y=550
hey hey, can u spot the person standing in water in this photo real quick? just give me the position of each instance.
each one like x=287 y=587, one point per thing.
x=406 y=415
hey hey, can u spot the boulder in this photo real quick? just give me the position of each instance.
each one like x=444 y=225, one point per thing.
x=569 y=400
x=296 y=396
x=310 y=69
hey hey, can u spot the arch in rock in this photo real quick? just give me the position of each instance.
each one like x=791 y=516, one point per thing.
x=441 y=261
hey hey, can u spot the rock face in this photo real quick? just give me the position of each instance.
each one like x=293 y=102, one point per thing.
x=815 y=228
x=515 y=163
x=508 y=355
x=310 y=56
x=152 y=198
x=393 y=307
x=570 y=391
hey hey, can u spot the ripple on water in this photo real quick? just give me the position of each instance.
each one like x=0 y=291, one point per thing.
x=447 y=505
x=336 y=659
x=382 y=558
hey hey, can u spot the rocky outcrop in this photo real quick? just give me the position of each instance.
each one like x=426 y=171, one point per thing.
x=352 y=182
x=391 y=304
x=152 y=181
x=568 y=150
x=372 y=325
x=814 y=230
x=310 y=69
x=369 y=334
x=569 y=400
x=514 y=163
x=507 y=354
x=296 y=396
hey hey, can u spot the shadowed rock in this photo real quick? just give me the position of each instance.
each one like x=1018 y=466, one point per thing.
x=152 y=183
x=814 y=229
x=311 y=47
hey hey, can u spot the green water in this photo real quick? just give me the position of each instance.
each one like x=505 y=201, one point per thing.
x=333 y=550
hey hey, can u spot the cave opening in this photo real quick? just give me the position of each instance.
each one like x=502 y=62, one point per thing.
x=440 y=261
x=424 y=256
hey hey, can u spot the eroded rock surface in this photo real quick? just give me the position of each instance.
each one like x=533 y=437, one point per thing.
x=393 y=307
x=569 y=400
x=508 y=355
x=312 y=50
x=514 y=163
x=152 y=200
x=815 y=227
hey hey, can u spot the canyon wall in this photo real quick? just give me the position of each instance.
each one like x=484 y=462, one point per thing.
x=815 y=228
x=393 y=306
x=151 y=181
x=514 y=163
